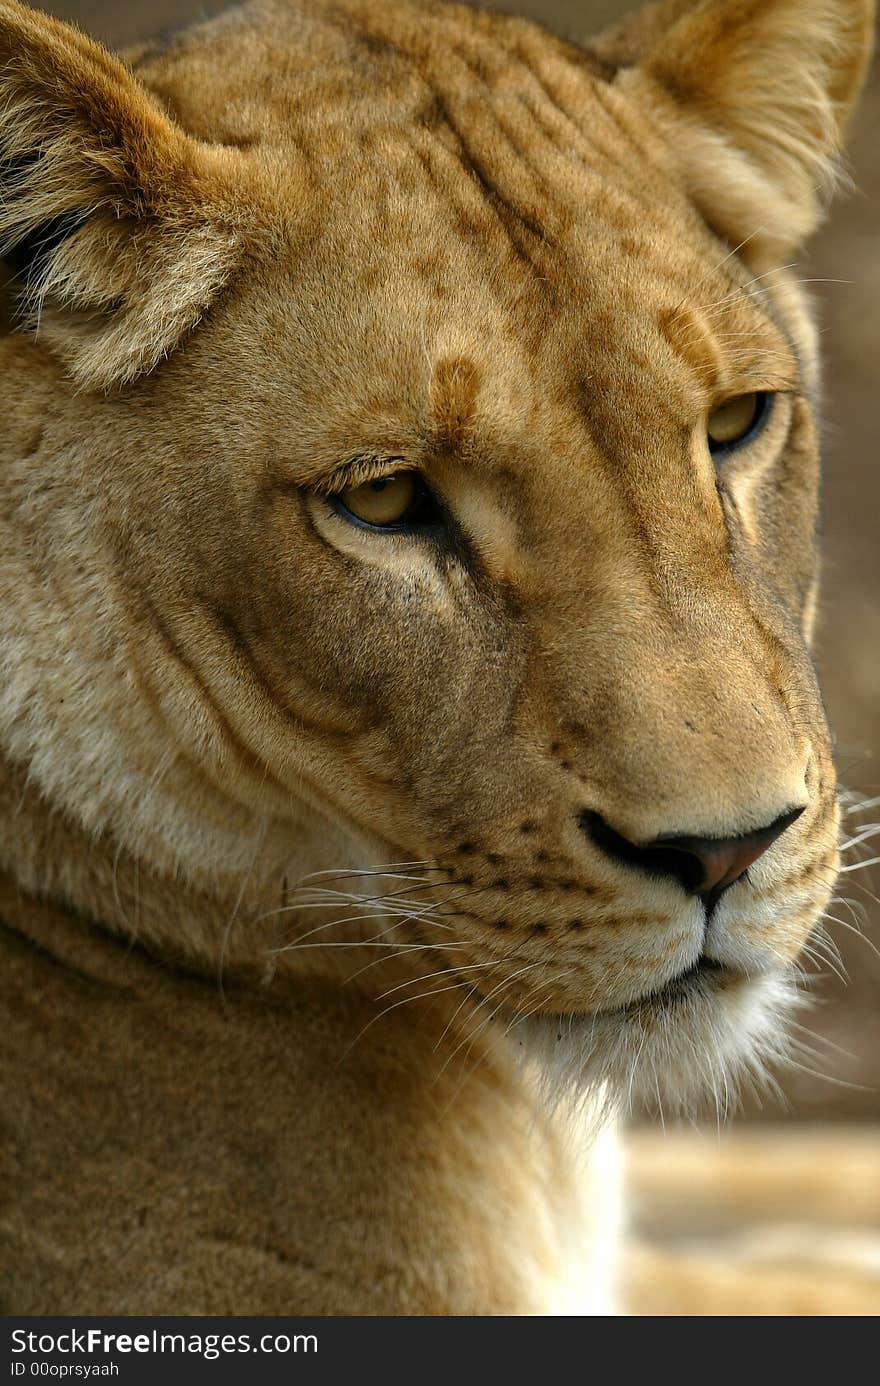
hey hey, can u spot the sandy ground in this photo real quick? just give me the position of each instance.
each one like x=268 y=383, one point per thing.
x=844 y=266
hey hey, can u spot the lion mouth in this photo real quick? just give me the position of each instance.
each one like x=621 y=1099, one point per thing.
x=703 y=973
x=703 y=981
x=704 y=978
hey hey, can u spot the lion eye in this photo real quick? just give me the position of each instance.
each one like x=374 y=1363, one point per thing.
x=734 y=421
x=389 y=500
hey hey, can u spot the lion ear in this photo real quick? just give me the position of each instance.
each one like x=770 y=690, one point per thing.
x=118 y=228
x=754 y=96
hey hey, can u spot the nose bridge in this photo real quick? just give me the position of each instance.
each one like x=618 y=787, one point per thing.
x=696 y=737
x=673 y=684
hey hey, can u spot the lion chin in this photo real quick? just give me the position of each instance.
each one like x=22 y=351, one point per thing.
x=699 y=1041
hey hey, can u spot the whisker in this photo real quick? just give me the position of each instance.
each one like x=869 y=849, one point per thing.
x=745 y=288
x=860 y=806
x=825 y=1077
x=390 y=868
x=365 y=943
x=851 y=928
x=470 y=1040
x=452 y=1019
x=373 y=908
x=729 y=256
x=484 y=1001
x=861 y=865
x=870 y=830
x=425 y=947
x=823 y=1039
x=236 y=909
x=395 y=1005
x=443 y=971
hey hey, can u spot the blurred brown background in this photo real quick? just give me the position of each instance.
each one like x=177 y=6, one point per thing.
x=844 y=264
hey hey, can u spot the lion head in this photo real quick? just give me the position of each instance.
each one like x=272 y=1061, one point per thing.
x=410 y=470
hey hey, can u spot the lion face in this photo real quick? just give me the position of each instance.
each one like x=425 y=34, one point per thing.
x=537 y=622
x=479 y=515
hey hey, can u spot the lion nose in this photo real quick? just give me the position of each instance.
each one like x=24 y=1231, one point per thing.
x=703 y=865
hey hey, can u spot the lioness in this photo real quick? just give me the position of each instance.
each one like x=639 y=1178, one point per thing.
x=409 y=744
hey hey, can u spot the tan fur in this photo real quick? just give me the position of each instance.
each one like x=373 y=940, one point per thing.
x=366 y=236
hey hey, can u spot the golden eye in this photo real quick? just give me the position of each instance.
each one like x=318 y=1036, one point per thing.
x=732 y=422
x=385 y=501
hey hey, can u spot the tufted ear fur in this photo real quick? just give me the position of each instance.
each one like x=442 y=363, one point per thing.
x=117 y=227
x=754 y=96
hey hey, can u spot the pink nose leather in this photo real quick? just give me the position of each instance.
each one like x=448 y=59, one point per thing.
x=703 y=865
x=721 y=861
